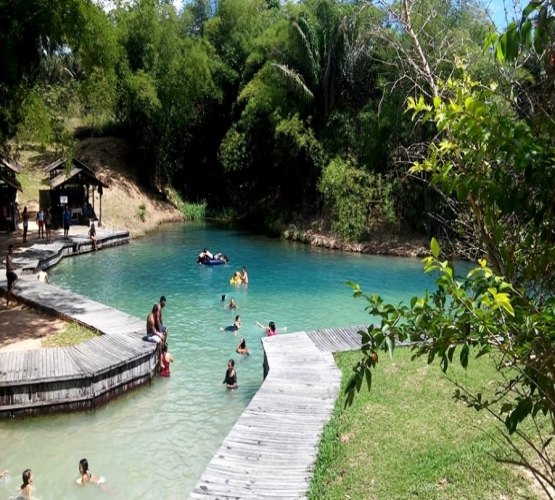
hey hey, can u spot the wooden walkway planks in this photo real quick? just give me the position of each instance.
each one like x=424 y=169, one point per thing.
x=271 y=450
x=77 y=376
x=337 y=339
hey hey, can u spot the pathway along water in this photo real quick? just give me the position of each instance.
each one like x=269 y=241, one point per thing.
x=157 y=441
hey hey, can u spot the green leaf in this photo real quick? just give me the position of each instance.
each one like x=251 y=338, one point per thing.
x=368 y=378
x=464 y=356
x=434 y=247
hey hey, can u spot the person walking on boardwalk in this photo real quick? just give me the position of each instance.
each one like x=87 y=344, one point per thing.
x=66 y=219
x=48 y=225
x=40 y=222
x=25 y=217
x=92 y=236
x=10 y=274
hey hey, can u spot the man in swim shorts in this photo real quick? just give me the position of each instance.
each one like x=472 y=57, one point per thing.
x=152 y=334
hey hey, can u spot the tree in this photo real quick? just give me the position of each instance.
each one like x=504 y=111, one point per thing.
x=496 y=163
x=28 y=31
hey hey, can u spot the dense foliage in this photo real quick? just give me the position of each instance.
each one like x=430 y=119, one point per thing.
x=256 y=108
x=494 y=157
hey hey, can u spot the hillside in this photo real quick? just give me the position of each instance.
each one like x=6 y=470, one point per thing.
x=125 y=204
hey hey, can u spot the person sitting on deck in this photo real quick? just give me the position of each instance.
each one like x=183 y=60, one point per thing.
x=234 y=327
x=86 y=475
x=152 y=334
x=159 y=323
x=165 y=359
x=230 y=379
x=92 y=236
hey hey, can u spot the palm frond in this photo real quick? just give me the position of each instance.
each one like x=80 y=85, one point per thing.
x=294 y=81
x=310 y=45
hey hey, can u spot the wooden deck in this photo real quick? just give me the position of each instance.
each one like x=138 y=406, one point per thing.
x=83 y=376
x=271 y=450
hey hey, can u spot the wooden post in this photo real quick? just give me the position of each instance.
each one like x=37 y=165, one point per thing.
x=100 y=191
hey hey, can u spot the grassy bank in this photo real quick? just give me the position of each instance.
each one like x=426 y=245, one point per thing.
x=72 y=334
x=407 y=438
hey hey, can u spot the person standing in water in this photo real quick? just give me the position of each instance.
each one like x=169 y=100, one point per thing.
x=165 y=359
x=230 y=379
x=244 y=276
x=271 y=329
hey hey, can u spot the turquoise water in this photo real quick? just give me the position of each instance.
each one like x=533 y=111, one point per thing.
x=156 y=441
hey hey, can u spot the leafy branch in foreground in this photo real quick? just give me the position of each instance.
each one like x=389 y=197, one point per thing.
x=478 y=314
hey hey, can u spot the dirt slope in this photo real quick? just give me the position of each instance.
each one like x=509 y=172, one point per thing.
x=122 y=201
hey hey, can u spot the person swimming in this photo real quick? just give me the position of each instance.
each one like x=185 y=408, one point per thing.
x=26 y=489
x=232 y=304
x=86 y=475
x=234 y=327
x=242 y=348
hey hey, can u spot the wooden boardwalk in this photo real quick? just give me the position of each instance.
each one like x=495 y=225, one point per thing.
x=271 y=450
x=83 y=376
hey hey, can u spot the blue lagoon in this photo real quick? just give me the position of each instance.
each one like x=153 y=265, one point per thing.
x=155 y=442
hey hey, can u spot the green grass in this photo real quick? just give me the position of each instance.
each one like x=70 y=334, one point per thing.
x=72 y=334
x=194 y=211
x=407 y=437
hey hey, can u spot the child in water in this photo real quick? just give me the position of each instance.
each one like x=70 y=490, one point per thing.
x=86 y=475
x=26 y=489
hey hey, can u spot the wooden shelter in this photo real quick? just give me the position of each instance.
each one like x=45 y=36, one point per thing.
x=9 y=186
x=73 y=186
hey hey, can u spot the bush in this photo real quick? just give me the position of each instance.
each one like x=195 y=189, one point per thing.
x=355 y=198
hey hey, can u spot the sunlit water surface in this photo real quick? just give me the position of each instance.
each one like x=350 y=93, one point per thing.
x=156 y=441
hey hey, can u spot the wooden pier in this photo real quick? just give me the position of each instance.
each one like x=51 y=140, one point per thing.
x=271 y=450
x=80 y=377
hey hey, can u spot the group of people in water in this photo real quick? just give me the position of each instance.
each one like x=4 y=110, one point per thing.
x=206 y=256
x=25 y=491
x=157 y=332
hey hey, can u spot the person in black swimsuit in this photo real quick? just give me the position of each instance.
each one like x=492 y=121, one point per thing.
x=230 y=379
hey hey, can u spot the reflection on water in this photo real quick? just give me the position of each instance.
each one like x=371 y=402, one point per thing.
x=156 y=441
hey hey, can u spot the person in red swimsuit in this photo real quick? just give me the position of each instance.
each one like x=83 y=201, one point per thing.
x=165 y=359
